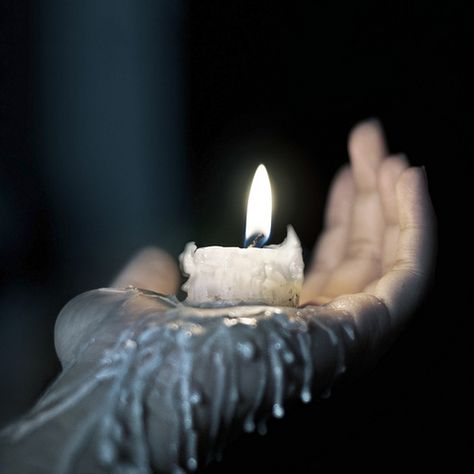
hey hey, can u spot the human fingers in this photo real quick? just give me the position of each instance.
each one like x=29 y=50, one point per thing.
x=152 y=269
x=362 y=261
x=367 y=149
x=402 y=287
x=390 y=171
x=331 y=246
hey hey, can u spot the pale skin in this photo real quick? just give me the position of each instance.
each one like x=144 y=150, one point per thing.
x=378 y=238
x=131 y=362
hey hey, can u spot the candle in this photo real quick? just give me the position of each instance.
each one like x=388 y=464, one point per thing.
x=152 y=384
x=231 y=275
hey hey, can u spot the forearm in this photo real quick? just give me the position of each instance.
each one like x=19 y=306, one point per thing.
x=155 y=386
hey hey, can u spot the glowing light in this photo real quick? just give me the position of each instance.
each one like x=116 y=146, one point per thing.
x=259 y=207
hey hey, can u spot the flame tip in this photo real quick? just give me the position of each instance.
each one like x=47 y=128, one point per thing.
x=259 y=205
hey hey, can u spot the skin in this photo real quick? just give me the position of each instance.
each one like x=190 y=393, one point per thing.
x=130 y=359
x=379 y=236
x=378 y=240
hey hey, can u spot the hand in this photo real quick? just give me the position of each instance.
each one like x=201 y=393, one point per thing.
x=370 y=269
x=157 y=384
x=379 y=234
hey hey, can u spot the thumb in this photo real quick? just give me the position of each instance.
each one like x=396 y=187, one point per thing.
x=151 y=269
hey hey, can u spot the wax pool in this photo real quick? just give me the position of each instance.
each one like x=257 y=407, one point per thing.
x=270 y=275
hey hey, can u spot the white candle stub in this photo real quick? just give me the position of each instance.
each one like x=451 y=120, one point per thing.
x=270 y=275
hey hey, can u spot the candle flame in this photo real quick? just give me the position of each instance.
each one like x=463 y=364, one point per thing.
x=259 y=206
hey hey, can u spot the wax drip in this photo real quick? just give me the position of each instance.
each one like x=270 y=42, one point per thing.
x=248 y=364
x=277 y=373
x=233 y=383
x=185 y=398
x=304 y=343
x=261 y=381
x=130 y=366
x=218 y=397
x=340 y=367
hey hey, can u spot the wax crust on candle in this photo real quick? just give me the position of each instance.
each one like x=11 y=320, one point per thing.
x=270 y=275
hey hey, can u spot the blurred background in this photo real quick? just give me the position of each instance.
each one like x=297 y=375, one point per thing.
x=127 y=123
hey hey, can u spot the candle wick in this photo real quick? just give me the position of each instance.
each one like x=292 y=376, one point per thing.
x=255 y=240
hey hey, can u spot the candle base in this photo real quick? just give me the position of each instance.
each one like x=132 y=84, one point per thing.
x=270 y=275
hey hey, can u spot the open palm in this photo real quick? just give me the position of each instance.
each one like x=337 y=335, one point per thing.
x=161 y=385
x=378 y=236
x=378 y=241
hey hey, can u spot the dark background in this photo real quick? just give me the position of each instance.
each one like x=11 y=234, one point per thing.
x=128 y=123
